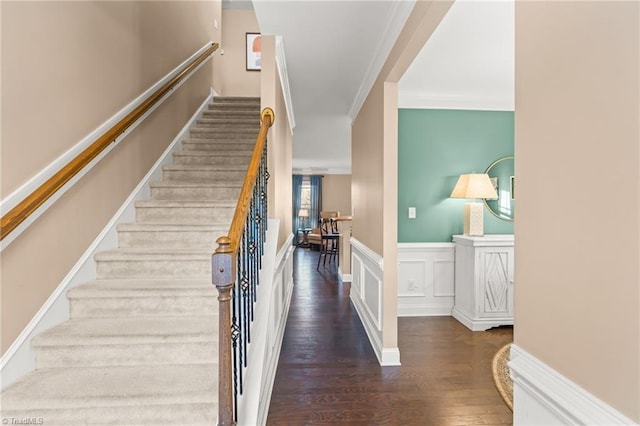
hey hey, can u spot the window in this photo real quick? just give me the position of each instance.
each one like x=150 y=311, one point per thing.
x=305 y=193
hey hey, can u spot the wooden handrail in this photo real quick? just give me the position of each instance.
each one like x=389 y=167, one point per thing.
x=267 y=117
x=39 y=196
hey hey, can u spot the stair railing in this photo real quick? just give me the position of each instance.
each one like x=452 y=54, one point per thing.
x=235 y=269
x=14 y=217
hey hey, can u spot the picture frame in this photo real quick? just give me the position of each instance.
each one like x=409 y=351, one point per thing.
x=253 y=49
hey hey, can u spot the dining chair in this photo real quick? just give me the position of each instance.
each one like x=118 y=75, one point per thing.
x=328 y=241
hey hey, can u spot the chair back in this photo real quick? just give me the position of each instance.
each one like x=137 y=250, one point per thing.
x=328 y=226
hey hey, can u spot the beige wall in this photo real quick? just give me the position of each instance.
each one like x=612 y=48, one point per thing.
x=577 y=133
x=374 y=151
x=230 y=68
x=336 y=193
x=280 y=143
x=68 y=66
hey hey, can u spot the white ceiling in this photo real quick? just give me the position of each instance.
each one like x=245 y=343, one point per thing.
x=467 y=63
x=335 y=49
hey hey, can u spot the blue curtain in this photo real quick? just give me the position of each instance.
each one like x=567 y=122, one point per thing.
x=297 y=191
x=316 y=199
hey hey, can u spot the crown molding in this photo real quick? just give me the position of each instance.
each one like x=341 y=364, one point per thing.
x=486 y=102
x=397 y=18
x=281 y=63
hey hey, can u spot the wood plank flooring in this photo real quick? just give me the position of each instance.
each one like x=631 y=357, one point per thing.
x=329 y=374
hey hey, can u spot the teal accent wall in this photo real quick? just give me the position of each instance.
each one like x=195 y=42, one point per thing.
x=434 y=148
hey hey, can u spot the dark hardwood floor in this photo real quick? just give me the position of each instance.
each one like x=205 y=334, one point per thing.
x=329 y=374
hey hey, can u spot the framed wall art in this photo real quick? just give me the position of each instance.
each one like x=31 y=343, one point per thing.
x=254 y=51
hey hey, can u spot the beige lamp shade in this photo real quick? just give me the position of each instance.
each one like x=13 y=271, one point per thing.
x=474 y=185
x=303 y=213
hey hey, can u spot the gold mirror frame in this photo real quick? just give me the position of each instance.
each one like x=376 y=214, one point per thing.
x=511 y=190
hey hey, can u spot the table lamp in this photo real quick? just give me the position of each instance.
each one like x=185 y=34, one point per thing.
x=474 y=185
x=303 y=214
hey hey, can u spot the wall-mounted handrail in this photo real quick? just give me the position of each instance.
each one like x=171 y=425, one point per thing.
x=12 y=219
x=235 y=268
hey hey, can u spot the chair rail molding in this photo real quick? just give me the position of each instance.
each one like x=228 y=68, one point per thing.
x=425 y=279
x=544 y=396
x=19 y=359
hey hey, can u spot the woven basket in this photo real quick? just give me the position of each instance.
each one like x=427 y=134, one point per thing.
x=501 y=375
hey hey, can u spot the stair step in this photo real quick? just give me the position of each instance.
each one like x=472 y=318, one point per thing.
x=242 y=99
x=169 y=235
x=233 y=106
x=195 y=212
x=143 y=298
x=205 y=144
x=141 y=395
x=228 y=122
x=213 y=158
x=203 y=173
x=94 y=342
x=238 y=132
x=153 y=263
x=232 y=113
x=196 y=191
x=218 y=144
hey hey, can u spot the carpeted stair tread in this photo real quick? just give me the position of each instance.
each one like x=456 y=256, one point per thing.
x=172 y=235
x=170 y=227
x=206 y=167
x=250 y=121
x=240 y=131
x=143 y=297
x=142 y=414
x=254 y=99
x=185 y=211
x=239 y=153
x=238 y=113
x=243 y=143
x=143 y=288
x=113 y=387
x=134 y=254
x=132 y=331
x=185 y=203
x=187 y=184
x=232 y=106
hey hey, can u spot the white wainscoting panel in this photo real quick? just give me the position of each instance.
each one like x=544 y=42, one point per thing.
x=267 y=330
x=542 y=396
x=425 y=279
x=366 y=292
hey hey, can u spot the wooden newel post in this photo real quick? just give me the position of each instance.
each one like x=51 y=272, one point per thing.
x=223 y=277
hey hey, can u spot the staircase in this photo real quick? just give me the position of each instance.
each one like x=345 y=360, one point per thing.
x=141 y=343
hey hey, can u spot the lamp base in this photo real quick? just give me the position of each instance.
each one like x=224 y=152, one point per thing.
x=474 y=219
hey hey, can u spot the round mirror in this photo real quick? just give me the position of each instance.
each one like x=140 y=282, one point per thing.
x=501 y=173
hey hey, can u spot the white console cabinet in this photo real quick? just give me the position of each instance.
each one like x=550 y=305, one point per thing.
x=483 y=281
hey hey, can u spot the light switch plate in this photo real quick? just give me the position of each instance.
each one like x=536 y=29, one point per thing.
x=412 y=212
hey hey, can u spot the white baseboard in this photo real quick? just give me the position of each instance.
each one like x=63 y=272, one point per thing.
x=345 y=278
x=542 y=396
x=425 y=279
x=19 y=359
x=424 y=311
x=366 y=296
